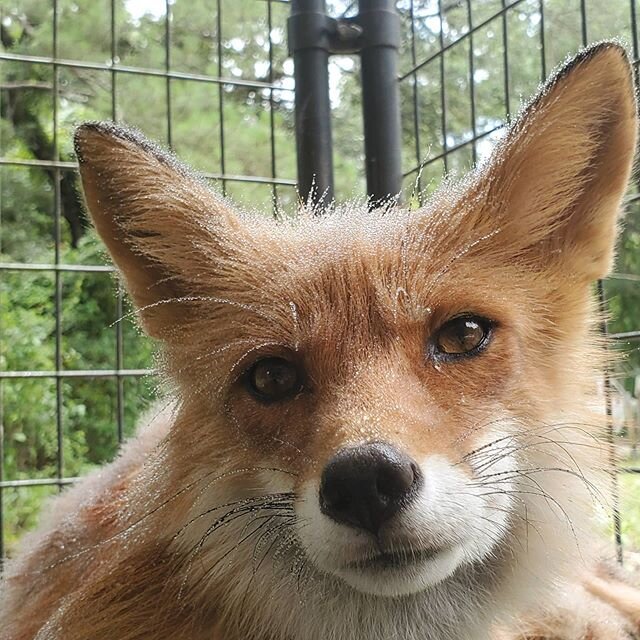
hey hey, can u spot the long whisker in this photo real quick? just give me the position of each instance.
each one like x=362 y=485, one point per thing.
x=238 y=506
x=131 y=526
x=287 y=514
x=198 y=547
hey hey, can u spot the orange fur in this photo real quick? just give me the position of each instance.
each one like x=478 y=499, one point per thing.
x=202 y=529
x=598 y=604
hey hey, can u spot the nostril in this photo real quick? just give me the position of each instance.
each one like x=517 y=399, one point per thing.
x=334 y=498
x=367 y=485
x=395 y=480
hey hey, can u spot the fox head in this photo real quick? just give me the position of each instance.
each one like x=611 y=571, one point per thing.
x=389 y=407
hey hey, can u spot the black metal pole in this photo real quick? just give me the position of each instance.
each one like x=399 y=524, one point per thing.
x=380 y=24
x=309 y=43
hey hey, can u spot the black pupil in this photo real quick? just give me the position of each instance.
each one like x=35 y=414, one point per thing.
x=274 y=378
x=461 y=335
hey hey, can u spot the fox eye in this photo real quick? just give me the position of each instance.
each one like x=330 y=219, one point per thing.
x=272 y=379
x=462 y=336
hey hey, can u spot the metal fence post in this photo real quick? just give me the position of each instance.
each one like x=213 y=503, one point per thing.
x=374 y=34
x=380 y=24
x=309 y=44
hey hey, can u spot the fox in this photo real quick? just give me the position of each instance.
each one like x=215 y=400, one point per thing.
x=379 y=422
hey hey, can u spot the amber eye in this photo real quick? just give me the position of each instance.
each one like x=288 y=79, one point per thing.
x=462 y=336
x=272 y=379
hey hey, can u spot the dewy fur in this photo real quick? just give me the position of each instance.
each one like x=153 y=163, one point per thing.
x=208 y=525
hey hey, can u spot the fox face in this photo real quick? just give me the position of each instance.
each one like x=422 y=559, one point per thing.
x=388 y=389
x=384 y=420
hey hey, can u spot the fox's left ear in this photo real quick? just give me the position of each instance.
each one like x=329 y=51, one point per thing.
x=557 y=180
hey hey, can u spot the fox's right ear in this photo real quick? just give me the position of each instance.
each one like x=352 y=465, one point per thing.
x=163 y=227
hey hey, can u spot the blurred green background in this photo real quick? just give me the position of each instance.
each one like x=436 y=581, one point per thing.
x=69 y=61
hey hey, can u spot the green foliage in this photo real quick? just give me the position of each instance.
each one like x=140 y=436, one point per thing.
x=630 y=510
x=237 y=45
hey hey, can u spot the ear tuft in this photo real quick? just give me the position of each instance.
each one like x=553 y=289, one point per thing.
x=608 y=53
x=607 y=63
x=91 y=137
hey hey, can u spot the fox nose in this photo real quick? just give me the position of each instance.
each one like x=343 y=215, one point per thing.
x=365 y=486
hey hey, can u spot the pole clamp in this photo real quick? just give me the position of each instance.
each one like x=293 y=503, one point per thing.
x=376 y=28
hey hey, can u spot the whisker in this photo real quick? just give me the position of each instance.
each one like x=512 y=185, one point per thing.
x=541 y=493
x=154 y=510
x=211 y=569
x=508 y=475
x=226 y=519
x=237 y=506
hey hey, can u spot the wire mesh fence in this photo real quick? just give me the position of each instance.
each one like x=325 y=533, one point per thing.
x=63 y=62
x=468 y=64
x=212 y=79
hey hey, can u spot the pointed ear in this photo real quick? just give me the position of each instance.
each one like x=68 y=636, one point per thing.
x=557 y=180
x=162 y=226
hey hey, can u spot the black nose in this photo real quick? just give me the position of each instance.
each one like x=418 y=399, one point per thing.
x=367 y=485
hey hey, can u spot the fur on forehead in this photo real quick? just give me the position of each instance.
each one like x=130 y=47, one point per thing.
x=547 y=201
